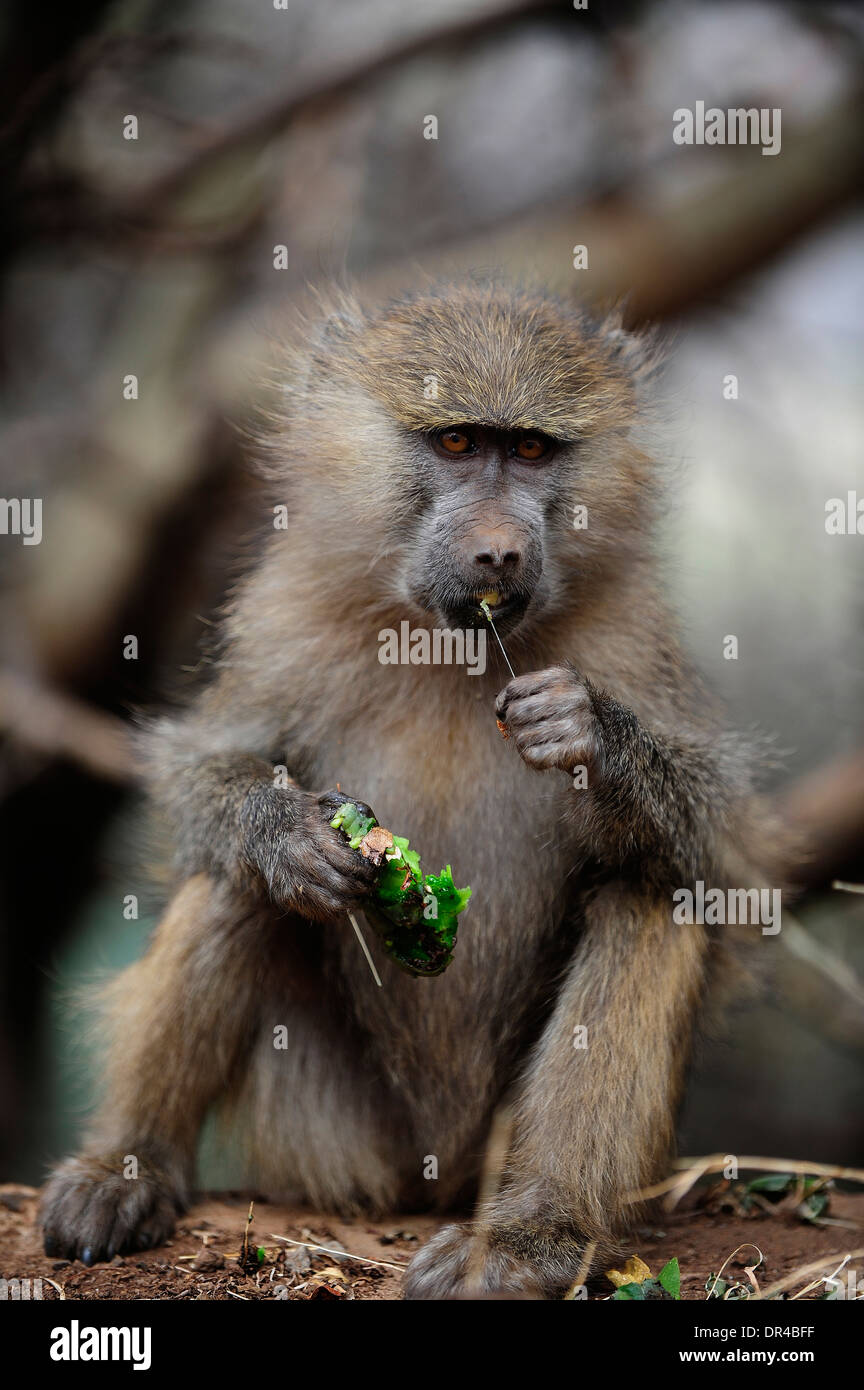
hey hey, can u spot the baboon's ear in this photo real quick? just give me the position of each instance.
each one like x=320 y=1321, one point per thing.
x=636 y=352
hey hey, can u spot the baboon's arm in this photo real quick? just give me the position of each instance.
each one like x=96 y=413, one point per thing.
x=661 y=804
x=235 y=815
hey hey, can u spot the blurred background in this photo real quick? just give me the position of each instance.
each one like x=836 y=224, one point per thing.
x=302 y=125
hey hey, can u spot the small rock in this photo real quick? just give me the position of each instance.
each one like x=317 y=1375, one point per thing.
x=207 y=1260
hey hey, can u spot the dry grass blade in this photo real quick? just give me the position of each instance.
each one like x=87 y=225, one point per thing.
x=326 y=1249
x=584 y=1270
x=365 y=949
x=747 y=1245
x=244 y=1245
x=824 y=1279
x=806 y=1270
x=678 y=1184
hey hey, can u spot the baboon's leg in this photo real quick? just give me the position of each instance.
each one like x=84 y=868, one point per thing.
x=594 y=1123
x=178 y=1024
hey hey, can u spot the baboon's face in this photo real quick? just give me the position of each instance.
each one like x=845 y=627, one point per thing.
x=482 y=532
x=450 y=438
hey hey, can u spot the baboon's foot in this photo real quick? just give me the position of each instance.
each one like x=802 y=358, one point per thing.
x=516 y=1261
x=90 y=1211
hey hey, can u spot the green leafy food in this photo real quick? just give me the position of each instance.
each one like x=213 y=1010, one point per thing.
x=354 y=826
x=413 y=913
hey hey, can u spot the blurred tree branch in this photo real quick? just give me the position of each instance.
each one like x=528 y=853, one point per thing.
x=827 y=808
x=56 y=725
x=668 y=257
x=85 y=211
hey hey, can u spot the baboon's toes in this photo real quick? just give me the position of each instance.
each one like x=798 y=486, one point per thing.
x=90 y=1211
x=457 y=1264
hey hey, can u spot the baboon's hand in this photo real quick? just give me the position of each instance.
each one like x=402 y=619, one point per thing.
x=550 y=716
x=308 y=866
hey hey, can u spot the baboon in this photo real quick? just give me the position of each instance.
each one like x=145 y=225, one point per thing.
x=428 y=452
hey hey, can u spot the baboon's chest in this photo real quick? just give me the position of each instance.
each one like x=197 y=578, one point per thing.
x=463 y=797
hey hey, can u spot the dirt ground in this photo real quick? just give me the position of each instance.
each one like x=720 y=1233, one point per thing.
x=201 y=1262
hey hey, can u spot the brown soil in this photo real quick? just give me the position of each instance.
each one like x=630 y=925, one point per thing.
x=212 y=1234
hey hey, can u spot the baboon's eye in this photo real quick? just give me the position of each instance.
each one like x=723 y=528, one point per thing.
x=531 y=447
x=455 y=441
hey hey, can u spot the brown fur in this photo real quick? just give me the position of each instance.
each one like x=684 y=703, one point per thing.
x=570 y=919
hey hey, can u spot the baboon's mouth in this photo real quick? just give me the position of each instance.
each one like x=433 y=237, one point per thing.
x=507 y=610
x=491 y=597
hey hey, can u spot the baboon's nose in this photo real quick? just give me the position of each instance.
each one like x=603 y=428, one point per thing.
x=496 y=552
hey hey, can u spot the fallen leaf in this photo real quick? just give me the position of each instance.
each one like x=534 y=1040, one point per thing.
x=635 y=1271
x=297 y=1260
x=329 y=1282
